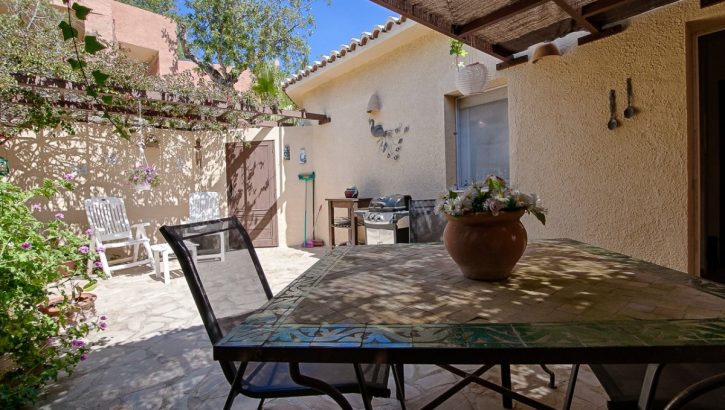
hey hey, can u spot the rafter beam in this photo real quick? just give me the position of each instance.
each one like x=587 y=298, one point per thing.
x=576 y=15
x=436 y=22
x=63 y=86
x=602 y=6
x=499 y=15
x=604 y=34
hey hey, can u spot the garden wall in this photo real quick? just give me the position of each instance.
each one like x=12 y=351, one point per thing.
x=98 y=158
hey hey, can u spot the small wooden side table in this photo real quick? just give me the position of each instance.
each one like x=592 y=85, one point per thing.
x=351 y=204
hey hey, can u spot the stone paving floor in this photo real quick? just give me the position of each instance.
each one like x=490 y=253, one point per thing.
x=156 y=355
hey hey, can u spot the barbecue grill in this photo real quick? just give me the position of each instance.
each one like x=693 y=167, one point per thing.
x=387 y=220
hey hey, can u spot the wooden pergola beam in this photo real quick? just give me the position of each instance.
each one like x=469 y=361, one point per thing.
x=64 y=86
x=602 y=6
x=577 y=16
x=499 y=15
x=436 y=22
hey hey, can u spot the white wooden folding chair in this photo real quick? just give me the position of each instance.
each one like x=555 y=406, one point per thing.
x=204 y=206
x=110 y=228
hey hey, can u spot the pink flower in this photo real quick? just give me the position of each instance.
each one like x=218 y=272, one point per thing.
x=69 y=176
x=26 y=245
x=83 y=249
x=103 y=325
x=77 y=343
x=84 y=356
x=35 y=207
x=59 y=215
x=104 y=317
x=89 y=231
x=100 y=249
x=98 y=264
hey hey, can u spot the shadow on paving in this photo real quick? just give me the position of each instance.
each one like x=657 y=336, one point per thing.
x=175 y=370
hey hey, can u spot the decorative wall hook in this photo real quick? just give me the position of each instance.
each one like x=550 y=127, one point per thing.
x=613 y=123
x=630 y=110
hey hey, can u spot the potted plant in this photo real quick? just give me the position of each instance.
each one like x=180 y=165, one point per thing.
x=36 y=347
x=471 y=78
x=484 y=234
x=144 y=177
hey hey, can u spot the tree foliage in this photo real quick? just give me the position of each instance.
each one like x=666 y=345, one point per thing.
x=226 y=37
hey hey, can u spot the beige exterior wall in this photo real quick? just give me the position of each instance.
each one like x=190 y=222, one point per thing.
x=625 y=190
x=411 y=79
x=103 y=157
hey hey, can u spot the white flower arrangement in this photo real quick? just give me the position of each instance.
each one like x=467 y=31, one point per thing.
x=491 y=195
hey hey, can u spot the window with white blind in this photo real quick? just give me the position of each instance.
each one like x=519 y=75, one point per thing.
x=483 y=136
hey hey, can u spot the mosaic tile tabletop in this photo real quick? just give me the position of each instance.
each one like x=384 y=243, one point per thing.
x=562 y=293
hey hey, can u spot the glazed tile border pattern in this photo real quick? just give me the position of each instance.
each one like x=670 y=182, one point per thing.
x=677 y=309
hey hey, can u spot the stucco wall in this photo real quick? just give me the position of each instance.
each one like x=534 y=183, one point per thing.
x=102 y=157
x=625 y=190
x=411 y=81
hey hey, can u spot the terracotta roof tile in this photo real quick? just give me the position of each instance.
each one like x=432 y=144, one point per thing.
x=345 y=50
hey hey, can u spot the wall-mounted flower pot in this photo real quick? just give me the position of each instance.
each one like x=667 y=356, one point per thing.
x=472 y=79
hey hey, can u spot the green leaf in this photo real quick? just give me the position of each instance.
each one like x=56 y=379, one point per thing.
x=100 y=77
x=93 y=45
x=540 y=216
x=92 y=91
x=68 y=31
x=81 y=11
x=90 y=285
x=76 y=64
x=107 y=99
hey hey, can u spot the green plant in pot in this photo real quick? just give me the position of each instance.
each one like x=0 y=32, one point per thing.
x=40 y=261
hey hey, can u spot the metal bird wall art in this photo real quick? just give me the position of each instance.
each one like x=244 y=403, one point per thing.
x=390 y=142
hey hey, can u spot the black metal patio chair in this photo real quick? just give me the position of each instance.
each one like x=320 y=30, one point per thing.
x=692 y=386
x=226 y=291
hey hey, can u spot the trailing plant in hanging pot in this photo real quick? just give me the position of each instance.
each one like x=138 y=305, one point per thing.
x=144 y=177
x=471 y=78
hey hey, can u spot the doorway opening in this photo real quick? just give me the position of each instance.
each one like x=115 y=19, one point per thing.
x=711 y=62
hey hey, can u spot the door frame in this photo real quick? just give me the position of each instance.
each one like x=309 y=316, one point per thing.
x=693 y=31
x=273 y=184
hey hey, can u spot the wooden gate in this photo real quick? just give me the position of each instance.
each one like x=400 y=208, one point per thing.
x=251 y=189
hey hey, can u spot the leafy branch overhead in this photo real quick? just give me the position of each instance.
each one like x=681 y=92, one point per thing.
x=226 y=37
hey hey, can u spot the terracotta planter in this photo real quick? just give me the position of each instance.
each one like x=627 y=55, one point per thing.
x=484 y=246
x=85 y=303
x=67 y=268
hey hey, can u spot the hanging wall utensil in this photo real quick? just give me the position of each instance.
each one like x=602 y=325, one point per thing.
x=613 y=123
x=629 y=111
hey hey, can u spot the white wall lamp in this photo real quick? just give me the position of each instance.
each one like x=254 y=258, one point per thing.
x=373 y=103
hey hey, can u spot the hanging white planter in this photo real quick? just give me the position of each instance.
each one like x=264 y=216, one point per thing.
x=472 y=79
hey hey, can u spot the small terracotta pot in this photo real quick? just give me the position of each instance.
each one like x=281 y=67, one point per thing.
x=484 y=246
x=67 y=268
x=85 y=303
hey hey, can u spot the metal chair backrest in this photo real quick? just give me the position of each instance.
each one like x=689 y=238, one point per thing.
x=203 y=206
x=107 y=218
x=224 y=291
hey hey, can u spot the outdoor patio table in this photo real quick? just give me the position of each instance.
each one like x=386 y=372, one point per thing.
x=566 y=303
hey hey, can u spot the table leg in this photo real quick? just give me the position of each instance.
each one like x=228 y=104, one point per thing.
x=506 y=383
x=165 y=265
x=467 y=379
x=319 y=385
x=351 y=233
x=331 y=219
x=572 y=385
x=233 y=391
x=367 y=400
x=157 y=265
